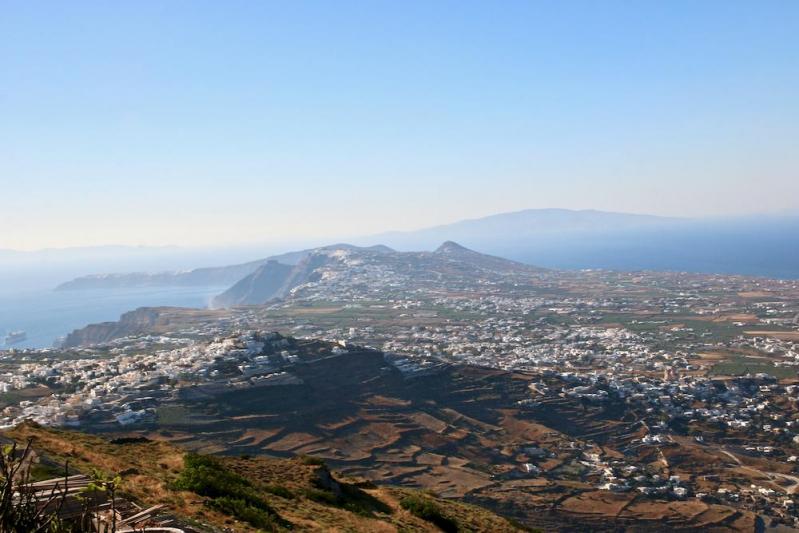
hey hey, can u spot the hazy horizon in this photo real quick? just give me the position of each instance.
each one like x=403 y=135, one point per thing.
x=202 y=124
x=283 y=244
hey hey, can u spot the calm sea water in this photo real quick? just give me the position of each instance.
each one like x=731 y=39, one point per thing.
x=47 y=315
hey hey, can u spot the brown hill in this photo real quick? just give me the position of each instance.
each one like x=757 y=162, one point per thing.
x=299 y=494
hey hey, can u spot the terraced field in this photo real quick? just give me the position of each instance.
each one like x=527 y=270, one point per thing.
x=457 y=432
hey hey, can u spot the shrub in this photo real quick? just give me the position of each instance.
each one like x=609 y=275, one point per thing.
x=253 y=515
x=322 y=496
x=207 y=476
x=21 y=509
x=311 y=460
x=518 y=525
x=279 y=490
x=427 y=510
x=350 y=498
x=229 y=492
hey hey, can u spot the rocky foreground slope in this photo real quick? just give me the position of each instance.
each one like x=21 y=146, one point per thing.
x=205 y=494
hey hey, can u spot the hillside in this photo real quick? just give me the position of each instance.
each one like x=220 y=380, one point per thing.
x=238 y=494
x=203 y=277
x=459 y=431
x=330 y=266
x=553 y=450
x=273 y=280
x=268 y=281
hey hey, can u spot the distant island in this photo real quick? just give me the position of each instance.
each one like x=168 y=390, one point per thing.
x=551 y=238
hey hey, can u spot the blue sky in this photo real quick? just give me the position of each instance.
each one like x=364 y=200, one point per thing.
x=229 y=122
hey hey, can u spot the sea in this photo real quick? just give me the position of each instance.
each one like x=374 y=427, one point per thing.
x=47 y=315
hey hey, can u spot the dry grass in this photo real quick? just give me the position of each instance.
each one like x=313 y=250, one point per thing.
x=289 y=486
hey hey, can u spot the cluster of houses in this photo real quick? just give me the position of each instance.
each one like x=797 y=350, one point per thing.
x=128 y=387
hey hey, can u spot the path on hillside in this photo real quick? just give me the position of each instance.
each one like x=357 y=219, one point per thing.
x=792 y=489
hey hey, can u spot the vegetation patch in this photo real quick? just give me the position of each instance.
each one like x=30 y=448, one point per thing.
x=227 y=491
x=736 y=365
x=311 y=460
x=278 y=490
x=349 y=498
x=428 y=510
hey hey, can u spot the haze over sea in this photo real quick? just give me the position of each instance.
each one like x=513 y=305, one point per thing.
x=766 y=246
x=47 y=315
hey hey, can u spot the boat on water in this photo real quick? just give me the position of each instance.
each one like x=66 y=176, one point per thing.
x=15 y=337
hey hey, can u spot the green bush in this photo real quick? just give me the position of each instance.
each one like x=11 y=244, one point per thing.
x=350 y=498
x=253 y=515
x=427 y=510
x=279 y=490
x=229 y=492
x=518 y=525
x=311 y=460
x=322 y=496
x=207 y=476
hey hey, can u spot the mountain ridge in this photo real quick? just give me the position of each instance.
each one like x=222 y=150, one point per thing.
x=758 y=244
x=524 y=222
x=272 y=281
x=561 y=239
x=203 y=276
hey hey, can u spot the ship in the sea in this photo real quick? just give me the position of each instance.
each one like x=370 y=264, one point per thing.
x=15 y=337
